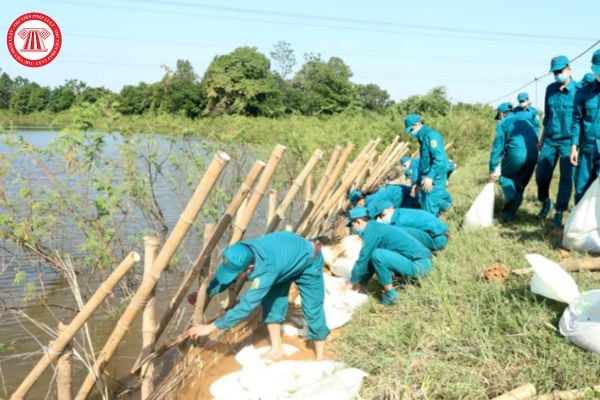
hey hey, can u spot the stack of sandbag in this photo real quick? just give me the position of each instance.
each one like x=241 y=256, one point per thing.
x=287 y=380
x=481 y=212
x=582 y=229
x=580 y=322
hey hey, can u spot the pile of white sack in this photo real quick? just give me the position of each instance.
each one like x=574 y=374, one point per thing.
x=580 y=322
x=287 y=380
x=582 y=229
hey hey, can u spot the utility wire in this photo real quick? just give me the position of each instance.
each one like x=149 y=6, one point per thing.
x=543 y=76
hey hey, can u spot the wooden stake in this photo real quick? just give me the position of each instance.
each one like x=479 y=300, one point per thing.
x=294 y=189
x=272 y=205
x=240 y=227
x=151 y=245
x=524 y=392
x=308 y=185
x=84 y=314
x=141 y=295
x=201 y=295
x=64 y=369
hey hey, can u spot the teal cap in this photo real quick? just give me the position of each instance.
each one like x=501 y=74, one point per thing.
x=522 y=96
x=404 y=159
x=354 y=196
x=236 y=258
x=588 y=78
x=596 y=58
x=410 y=120
x=376 y=207
x=503 y=108
x=355 y=213
x=558 y=63
x=596 y=69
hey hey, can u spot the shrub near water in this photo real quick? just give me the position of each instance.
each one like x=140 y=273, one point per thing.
x=452 y=336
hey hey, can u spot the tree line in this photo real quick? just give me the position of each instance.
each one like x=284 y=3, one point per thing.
x=243 y=82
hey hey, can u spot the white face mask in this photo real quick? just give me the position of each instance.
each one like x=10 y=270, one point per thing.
x=523 y=104
x=386 y=219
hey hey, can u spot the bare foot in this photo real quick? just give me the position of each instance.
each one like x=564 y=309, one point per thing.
x=273 y=354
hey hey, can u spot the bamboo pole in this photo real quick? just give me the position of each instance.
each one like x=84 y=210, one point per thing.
x=386 y=166
x=294 y=189
x=584 y=264
x=84 y=314
x=308 y=186
x=201 y=295
x=272 y=205
x=151 y=245
x=524 y=392
x=240 y=227
x=329 y=184
x=574 y=394
x=141 y=295
x=316 y=193
x=204 y=255
x=64 y=369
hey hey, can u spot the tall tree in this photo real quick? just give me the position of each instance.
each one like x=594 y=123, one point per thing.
x=6 y=88
x=241 y=83
x=283 y=58
x=373 y=97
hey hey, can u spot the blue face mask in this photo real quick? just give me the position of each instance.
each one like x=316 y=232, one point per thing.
x=560 y=78
x=357 y=231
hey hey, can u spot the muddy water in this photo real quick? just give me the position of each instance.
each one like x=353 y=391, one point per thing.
x=46 y=297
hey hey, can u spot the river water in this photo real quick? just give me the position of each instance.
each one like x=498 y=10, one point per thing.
x=32 y=294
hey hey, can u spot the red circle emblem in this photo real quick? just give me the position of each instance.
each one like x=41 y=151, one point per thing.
x=34 y=39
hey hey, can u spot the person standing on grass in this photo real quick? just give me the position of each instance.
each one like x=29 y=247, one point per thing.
x=555 y=143
x=585 y=132
x=271 y=263
x=427 y=229
x=515 y=151
x=433 y=167
x=411 y=168
x=526 y=107
x=386 y=251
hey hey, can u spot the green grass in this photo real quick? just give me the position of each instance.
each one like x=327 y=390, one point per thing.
x=454 y=337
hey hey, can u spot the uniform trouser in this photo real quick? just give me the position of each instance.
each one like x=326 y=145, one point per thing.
x=587 y=171
x=436 y=200
x=554 y=151
x=388 y=262
x=431 y=242
x=312 y=292
x=517 y=168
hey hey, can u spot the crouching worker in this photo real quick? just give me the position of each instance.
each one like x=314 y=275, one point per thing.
x=423 y=226
x=386 y=251
x=272 y=262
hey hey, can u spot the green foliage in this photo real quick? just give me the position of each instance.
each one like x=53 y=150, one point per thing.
x=28 y=98
x=283 y=58
x=135 y=99
x=435 y=103
x=179 y=92
x=241 y=83
x=372 y=97
x=6 y=88
x=323 y=87
x=61 y=98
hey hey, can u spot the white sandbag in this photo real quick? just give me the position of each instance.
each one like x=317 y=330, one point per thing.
x=580 y=323
x=582 y=229
x=329 y=254
x=352 y=245
x=340 y=303
x=342 y=267
x=481 y=212
x=342 y=385
x=550 y=280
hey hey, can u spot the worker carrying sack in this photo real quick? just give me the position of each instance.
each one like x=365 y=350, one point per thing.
x=580 y=322
x=481 y=213
x=582 y=230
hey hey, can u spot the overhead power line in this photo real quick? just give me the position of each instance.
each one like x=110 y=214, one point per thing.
x=542 y=76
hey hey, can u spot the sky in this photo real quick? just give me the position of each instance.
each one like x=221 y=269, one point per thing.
x=479 y=50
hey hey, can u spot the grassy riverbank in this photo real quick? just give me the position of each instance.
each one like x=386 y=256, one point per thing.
x=453 y=336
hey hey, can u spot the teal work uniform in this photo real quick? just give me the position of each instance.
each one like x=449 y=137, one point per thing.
x=515 y=147
x=434 y=165
x=532 y=112
x=396 y=194
x=585 y=132
x=389 y=250
x=556 y=147
x=412 y=172
x=423 y=226
x=281 y=258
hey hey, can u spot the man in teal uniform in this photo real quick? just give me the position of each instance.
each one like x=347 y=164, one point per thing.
x=386 y=251
x=555 y=143
x=526 y=107
x=427 y=229
x=587 y=79
x=433 y=167
x=397 y=194
x=515 y=151
x=585 y=131
x=411 y=168
x=272 y=262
